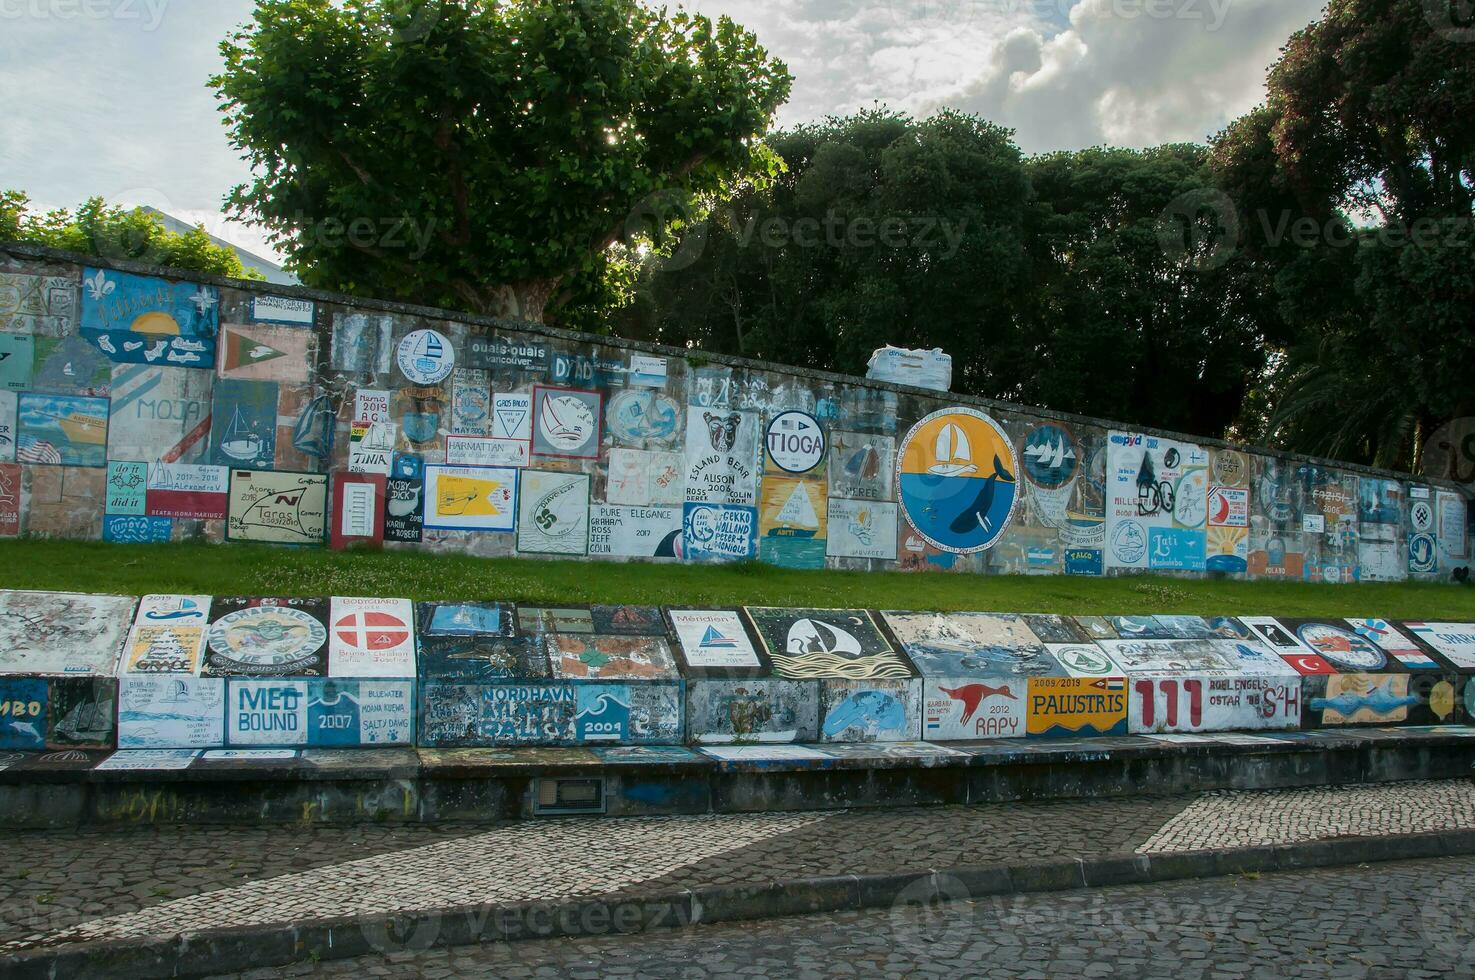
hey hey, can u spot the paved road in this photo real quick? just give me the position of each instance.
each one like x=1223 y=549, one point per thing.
x=73 y=886
x=1412 y=919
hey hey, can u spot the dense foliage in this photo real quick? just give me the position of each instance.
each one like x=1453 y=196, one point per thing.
x=116 y=233
x=479 y=154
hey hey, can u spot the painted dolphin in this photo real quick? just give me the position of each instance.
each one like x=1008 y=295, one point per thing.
x=871 y=710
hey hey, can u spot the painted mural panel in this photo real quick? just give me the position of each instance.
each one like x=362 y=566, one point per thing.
x=635 y=532
x=1157 y=507
x=263 y=352
x=1070 y=707
x=371 y=637
x=143 y=320
x=712 y=638
x=644 y=479
x=956 y=480
x=81 y=712
x=188 y=490
x=566 y=422
x=1329 y=523
x=963 y=644
x=862 y=466
x=861 y=529
x=170 y=712
x=722 y=457
x=1379 y=699
x=496 y=714
x=870 y=711
x=1064 y=494
x=23 y=703
x=719 y=532
x=825 y=643
x=243 y=431
x=974 y=706
x=640 y=418
x=1189 y=703
x=792 y=521
x=1276 y=536
x=39 y=306
x=1406 y=653
x=590 y=657
x=168 y=635
x=267 y=636
x=62 y=633
x=11 y=499
x=9 y=402
x=277 y=507
x=1228 y=525
x=724 y=711
x=61 y=430
x=1454 y=642
x=70 y=365
x=553 y=513
x=1338 y=643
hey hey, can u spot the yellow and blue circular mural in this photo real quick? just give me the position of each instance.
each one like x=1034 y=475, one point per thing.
x=955 y=479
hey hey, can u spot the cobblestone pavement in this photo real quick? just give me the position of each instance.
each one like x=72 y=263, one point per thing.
x=78 y=886
x=1409 y=919
x=1228 y=818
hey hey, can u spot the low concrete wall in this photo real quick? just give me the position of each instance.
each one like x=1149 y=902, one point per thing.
x=406 y=786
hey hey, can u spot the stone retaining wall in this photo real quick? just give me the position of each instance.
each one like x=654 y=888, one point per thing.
x=138 y=407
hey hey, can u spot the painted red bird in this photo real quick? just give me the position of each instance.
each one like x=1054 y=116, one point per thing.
x=972 y=696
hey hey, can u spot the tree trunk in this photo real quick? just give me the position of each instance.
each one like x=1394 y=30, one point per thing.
x=527 y=300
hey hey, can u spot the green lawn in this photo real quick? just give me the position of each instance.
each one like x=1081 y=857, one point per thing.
x=260 y=570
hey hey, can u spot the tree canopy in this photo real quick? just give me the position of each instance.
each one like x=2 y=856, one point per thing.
x=479 y=154
x=1355 y=182
x=117 y=233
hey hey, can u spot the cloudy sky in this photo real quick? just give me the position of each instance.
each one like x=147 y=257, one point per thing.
x=107 y=96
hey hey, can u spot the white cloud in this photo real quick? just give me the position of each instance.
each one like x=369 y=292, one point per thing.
x=117 y=106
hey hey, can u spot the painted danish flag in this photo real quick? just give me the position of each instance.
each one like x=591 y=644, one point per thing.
x=371 y=630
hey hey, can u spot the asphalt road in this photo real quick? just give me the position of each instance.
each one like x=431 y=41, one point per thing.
x=1409 y=919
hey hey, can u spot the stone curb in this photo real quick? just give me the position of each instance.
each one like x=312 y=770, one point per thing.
x=226 y=950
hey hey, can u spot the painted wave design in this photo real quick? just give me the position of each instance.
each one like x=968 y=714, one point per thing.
x=815 y=665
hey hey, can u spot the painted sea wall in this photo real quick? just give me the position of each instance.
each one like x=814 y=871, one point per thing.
x=136 y=406
x=267 y=674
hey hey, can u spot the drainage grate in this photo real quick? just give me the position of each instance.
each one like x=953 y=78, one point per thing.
x=556 y=797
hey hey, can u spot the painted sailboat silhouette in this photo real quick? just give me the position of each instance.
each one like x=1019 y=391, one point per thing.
x=239 y=442
x=1051 y=454
x=953 y=452
x=798 y=514
x=814 y=636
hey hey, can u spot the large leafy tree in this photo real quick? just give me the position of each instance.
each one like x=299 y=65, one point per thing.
x=1355 y=182
x=882 y=229
x=488 y=151
x=1140 y=308
x=132 y=234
